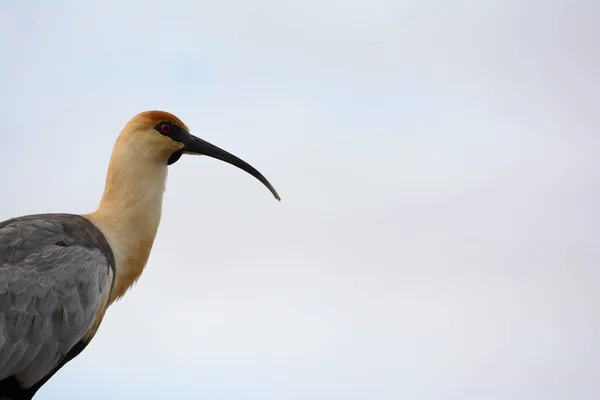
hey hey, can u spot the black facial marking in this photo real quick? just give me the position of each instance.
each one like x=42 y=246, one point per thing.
x=174 y=132
x=174 y=157
x=170 y=130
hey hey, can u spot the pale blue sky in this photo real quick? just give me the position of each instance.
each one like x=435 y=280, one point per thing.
x=437 y=163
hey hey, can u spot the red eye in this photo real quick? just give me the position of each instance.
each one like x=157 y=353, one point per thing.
x=165 y=128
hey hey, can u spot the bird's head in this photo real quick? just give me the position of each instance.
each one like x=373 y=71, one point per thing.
x=161 y=137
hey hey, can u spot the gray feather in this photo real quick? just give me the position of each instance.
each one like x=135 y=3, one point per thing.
x=54 y=271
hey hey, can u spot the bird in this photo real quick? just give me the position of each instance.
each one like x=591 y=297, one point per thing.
x=59 y=273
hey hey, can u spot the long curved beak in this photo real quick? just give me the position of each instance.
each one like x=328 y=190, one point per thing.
x=195 y=145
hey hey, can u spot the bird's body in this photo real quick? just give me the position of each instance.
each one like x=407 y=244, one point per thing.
x=56 y=273
x=60 y=272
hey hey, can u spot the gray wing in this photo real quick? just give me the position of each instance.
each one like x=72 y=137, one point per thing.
x=53 y=275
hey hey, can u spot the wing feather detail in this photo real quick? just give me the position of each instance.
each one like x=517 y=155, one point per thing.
x=54 y=273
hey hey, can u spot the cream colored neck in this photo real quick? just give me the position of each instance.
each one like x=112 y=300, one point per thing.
x=130 y=210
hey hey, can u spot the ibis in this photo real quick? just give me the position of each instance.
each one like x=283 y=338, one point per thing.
x=59 y=273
